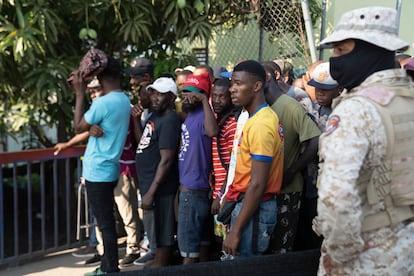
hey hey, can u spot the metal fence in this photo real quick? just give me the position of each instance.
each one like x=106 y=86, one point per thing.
x=37 y=203
x=275 y=31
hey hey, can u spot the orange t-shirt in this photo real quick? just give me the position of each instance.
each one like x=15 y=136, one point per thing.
x=262 y=140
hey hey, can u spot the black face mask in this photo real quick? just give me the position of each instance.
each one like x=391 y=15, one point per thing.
x=352 y=69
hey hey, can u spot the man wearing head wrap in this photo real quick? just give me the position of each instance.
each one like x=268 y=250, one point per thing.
x=100 y=165
x=366 y=152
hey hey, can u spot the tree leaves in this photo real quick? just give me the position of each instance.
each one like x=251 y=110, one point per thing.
x=39 y=43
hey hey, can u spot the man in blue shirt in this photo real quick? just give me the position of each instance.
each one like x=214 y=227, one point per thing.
x=111 y=114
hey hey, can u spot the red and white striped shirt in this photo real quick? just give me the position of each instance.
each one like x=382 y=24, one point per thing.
x=225 y=138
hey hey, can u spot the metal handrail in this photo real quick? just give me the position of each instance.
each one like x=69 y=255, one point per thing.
x=29 y=228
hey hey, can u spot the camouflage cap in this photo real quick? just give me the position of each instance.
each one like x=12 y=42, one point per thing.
x=375 y=25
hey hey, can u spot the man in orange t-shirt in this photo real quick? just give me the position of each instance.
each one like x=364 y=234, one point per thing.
x=259 y=165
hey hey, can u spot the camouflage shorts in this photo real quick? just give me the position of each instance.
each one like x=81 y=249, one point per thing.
x=288 y=205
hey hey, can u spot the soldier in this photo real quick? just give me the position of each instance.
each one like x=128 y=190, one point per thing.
x=367 y=151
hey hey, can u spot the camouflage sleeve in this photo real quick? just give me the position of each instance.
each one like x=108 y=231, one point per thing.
x=344 y=148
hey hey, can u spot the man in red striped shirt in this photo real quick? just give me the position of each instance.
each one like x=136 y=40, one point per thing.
x=221 y=144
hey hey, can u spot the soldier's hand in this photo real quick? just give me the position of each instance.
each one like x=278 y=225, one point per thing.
x=328 y=262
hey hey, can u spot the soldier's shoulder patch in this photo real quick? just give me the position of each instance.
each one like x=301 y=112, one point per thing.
x=332 y=124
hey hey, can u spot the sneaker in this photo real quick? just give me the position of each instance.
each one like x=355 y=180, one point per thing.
x=95 y=259
x=149 y=257
x=97 y=271
x=129 y=259
x=89 y=251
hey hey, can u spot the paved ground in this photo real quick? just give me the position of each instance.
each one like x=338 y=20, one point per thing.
x=60 y=264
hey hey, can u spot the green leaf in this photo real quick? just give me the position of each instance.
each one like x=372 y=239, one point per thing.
x=20 y=18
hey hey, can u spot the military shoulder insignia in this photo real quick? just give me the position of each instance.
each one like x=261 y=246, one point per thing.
x=333 y=123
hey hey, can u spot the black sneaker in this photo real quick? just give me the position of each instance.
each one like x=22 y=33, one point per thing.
x=147 y=258
x=88 y=251
x=128 y=259
x=95 y=259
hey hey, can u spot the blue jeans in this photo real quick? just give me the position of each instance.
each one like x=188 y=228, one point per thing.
x=193 y=228
x=266 y=224
x=101 y=199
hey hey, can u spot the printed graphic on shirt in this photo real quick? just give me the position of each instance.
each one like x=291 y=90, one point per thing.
x=281 y=134
x=185 y=141
x=146 y=136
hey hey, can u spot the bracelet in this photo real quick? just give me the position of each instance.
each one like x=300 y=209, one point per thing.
x=219 y=194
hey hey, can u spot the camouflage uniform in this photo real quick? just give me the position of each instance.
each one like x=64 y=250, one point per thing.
x=354 y=140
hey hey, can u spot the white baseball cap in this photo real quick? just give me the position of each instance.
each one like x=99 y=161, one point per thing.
x=321 y=78
x=187 y=68
x=164 y=85
x=93 y=83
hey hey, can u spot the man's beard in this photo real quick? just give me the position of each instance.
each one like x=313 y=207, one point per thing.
x=187 y=107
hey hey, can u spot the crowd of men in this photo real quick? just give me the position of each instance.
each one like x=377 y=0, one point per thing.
x=228 y=161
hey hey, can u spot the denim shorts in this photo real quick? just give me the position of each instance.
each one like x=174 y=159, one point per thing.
x=267 y=222
x=193 y=220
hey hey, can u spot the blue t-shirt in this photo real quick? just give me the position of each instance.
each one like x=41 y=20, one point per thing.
x=101 y=160
x=194 y=158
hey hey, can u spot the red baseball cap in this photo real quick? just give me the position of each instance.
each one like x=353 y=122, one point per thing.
x=200 y=83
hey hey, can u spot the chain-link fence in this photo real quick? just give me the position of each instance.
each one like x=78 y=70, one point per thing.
x=276 y=31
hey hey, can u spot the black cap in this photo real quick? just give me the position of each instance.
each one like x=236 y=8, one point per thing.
x=140 y=65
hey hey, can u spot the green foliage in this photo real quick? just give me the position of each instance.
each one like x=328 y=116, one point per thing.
x=41 y=41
